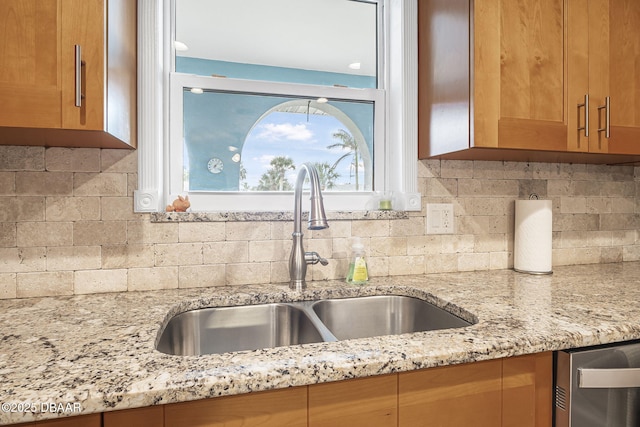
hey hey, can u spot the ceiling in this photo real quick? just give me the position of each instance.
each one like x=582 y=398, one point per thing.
x=324 y=35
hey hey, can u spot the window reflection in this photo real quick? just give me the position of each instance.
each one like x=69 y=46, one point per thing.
x=293 y=41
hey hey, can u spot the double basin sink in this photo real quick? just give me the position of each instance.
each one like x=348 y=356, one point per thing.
x=252 y=327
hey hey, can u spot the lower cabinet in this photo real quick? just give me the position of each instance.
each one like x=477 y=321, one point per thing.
x=370 y=402
x=458 y=395
x=527 y=390
x=277 y=408
x=150 y=416
x=92 y=420
x=510 y=392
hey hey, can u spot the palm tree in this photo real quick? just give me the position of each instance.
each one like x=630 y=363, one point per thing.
x=244 y=186
x=347 y=142
x=274 y=179
x=327 y=175
x=243 y=172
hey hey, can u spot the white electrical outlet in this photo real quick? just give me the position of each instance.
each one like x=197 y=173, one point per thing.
x=440 y=218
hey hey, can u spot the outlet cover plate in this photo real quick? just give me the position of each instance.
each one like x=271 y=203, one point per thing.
x=440 y=218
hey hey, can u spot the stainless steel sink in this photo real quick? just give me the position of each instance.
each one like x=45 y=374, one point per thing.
x=382 y=315
x=225 y=329
x=253 y=327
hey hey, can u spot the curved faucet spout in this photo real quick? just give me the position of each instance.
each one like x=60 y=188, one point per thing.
x=317 y=221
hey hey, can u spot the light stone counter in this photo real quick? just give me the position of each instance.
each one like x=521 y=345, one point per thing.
x=98 y=350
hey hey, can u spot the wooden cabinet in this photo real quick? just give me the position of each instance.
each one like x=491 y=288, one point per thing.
x=504 y=392
x=286 y=407
x=29 y=63
x=520 y=90
x=366 y=402
x=68 y=72
x=92 y=420
x=527 y=390
x=151 y=416
x=456 y=395
x=614 y=55
x=500 y=79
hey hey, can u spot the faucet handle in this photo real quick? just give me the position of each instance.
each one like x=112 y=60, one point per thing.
x=314 y=258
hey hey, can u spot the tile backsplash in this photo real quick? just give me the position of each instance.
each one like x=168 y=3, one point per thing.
x=67 y=226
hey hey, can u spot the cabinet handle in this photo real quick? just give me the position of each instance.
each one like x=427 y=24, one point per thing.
x=607 y=117
x=609 y=378
x=79 y=64
x=586 y=116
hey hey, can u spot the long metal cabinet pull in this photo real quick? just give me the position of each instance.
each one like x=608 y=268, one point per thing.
x=607 y=117
x=609 y=378
x=79 y=63
x=586 y=116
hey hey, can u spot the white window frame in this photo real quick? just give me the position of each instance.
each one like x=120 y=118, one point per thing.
x=263 y=200
x=397 y=158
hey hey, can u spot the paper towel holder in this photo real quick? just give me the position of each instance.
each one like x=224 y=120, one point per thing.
x=533 y=196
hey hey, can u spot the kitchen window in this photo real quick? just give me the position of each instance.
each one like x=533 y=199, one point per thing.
x=232 y=110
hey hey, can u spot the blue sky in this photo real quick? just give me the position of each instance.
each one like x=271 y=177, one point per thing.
x=291 y=135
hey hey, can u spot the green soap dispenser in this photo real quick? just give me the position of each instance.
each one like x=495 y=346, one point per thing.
x=358 y=272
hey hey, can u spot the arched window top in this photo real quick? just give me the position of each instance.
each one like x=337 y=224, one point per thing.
x=307 y=131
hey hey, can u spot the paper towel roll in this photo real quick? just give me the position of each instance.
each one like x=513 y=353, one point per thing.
x=532 y=246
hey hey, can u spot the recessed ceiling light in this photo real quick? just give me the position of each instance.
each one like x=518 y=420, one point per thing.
x=354 y=65
x=179 y=46
x=196 y=90
x=322 y=100
x=236 y=157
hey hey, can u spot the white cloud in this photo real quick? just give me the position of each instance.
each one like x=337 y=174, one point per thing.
x=264 y=160
x=289 y=131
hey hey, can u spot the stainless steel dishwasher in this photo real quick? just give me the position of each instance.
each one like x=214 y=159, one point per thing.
x=598 y=386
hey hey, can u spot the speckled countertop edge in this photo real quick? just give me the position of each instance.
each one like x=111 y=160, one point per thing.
x=98 y=350
x=271 y=216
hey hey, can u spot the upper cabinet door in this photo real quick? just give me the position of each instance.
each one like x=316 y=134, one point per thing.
x=68 y=73
x=534 y=80
x=30 y=79
x=614 y=74
x=502 y=74
x=83 y=50
x=522 y=78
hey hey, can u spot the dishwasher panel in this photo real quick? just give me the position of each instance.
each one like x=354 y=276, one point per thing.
x=598 y=387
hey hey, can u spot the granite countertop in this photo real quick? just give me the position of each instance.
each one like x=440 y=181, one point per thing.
x=95 y=353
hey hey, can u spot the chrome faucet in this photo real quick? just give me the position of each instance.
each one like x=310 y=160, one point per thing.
x=299 y=259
